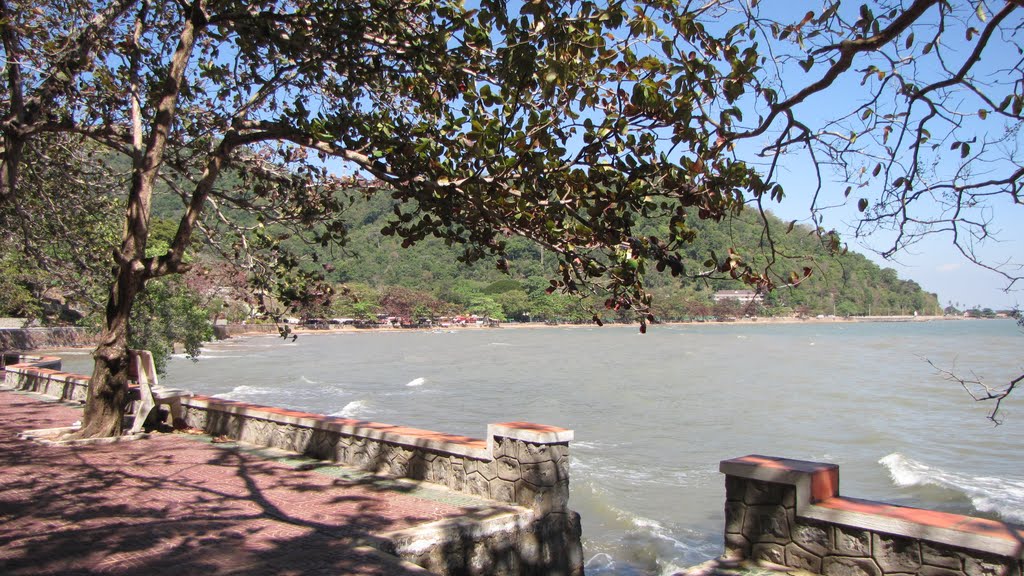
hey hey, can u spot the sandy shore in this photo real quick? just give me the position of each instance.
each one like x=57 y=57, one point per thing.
x=541 y=325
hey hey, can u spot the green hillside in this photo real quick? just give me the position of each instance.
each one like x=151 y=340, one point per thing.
x=428 y=279
x=377 y=266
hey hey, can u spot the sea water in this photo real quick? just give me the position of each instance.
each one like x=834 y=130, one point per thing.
x=654 y=414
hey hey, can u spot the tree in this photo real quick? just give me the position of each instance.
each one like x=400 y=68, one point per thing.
x=562 y=123
x=169 y=312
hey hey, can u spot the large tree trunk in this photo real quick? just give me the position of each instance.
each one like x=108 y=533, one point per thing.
x=108 y=388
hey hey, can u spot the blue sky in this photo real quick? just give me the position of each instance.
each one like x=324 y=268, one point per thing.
x=933 y=261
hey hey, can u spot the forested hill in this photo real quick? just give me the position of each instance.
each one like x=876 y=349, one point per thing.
x=428 y=276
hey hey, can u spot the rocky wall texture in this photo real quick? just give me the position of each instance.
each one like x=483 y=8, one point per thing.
x=59 y=337
x=515 y=471
x=503 y=546
x=522 y=465
x=762 y=524
x=43 y=376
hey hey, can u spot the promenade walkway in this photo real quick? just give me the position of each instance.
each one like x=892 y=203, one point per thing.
x=181 y=504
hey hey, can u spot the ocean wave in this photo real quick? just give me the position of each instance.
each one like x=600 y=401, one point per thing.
x=417 y=382
x=244 y=390
x=353 y=409
x=1002 y=496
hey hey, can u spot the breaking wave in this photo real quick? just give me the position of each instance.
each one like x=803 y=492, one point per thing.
x=244 y=391
x=1001 y=496
x=353 y=409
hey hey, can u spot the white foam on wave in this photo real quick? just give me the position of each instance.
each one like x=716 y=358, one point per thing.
x=353 y=409
x=600 y=561
x=1003 y=496
x=244 y=390
x=651 y=527
x=307 y=380
x=417 y=382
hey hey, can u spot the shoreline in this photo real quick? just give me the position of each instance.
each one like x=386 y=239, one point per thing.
x=541 y=325
x=270 y=330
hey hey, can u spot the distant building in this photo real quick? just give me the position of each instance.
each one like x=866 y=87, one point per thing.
x=742 y=296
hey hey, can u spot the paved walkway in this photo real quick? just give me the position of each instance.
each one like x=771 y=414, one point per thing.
x=179 y=504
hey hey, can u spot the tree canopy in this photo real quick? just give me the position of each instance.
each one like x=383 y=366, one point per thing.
x=561 y=122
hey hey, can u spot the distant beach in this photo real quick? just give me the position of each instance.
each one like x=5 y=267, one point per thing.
x=299 y=329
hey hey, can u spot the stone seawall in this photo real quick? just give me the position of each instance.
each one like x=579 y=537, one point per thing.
x=522 y=465
x=34 y=338
x=789 y=513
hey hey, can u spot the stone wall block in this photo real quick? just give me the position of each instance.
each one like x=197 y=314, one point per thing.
x=398 y=465
x=319 y=445
x=852 y=542
x=982 y=565
x=419 y=467
x=400 y=454
x=196 y=418
x=340 y=452
x=798 y=557
x=941 y=556
x=457 y=481
x=737 y=547
x=440 y=471
x=734 y=513
x=302 y=439
x=774 y=553
x=896 y=554
x=250 y=430
x=767 y=524
x=477 y=485
x=503 y=490
x=486 y=468
x=291 y=437
x=814 y=538
x=277 y=435
x=846 y=566
x=735 y=488
x=542 y=500
x=540 y=473
x=508 y=469
x=360 y=459
x=938 y=571
x=505 y=447
x=758 y=492
x=530 y=452
x=563 y=464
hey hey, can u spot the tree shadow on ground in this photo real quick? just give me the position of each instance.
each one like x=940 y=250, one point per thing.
x=175 y=505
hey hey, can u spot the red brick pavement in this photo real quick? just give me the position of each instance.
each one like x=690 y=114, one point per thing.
x=174 y=505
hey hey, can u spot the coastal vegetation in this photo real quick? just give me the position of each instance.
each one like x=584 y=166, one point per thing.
x=377 y=276
x=603 y=133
